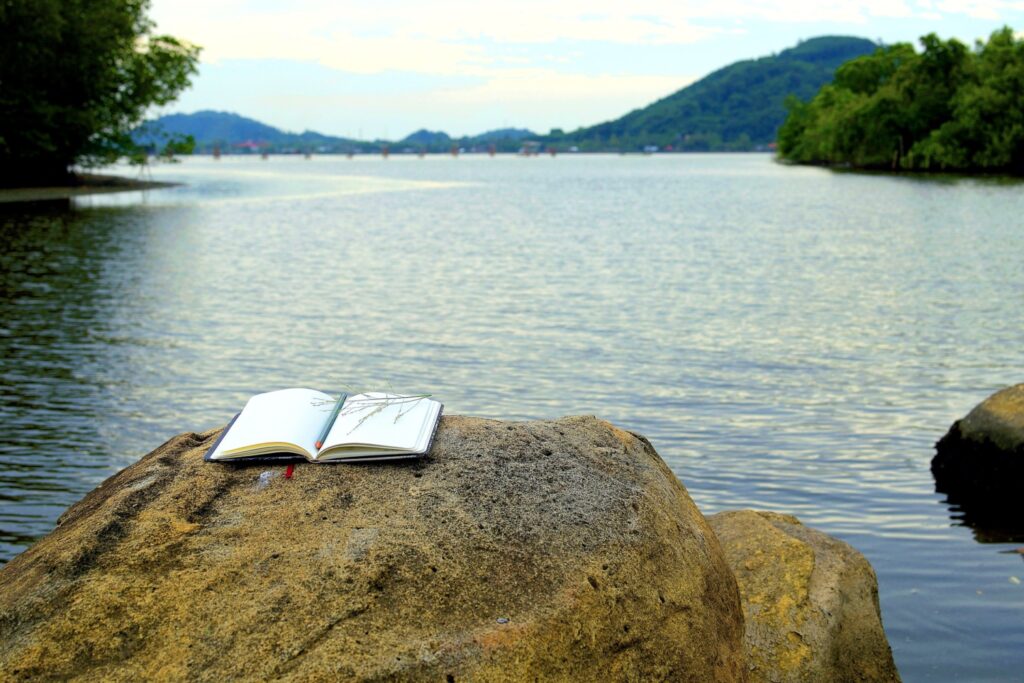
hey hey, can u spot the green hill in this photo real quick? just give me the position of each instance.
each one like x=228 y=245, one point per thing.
x=502 y=134
x=502 y=139
x=426 y=138
x=231 y=132
x=737 y=107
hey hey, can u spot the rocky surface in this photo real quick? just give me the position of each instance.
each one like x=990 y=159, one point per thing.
x=979 y=465
x=517 y=551
x=986 y=447
x=810 y=601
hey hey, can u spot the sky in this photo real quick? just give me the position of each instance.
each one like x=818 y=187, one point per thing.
x=384 y=69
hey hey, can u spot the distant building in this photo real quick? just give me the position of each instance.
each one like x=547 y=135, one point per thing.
x=530 y=148
x=250 y=145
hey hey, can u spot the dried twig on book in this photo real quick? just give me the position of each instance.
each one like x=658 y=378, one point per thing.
x=371 y=405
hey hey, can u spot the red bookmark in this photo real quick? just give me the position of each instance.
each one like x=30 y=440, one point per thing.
x=288 y=471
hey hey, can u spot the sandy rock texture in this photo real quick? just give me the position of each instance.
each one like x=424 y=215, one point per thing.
x=551 y=550
x=810 y=602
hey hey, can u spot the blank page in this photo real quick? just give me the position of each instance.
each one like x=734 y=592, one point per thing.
x=287 y=416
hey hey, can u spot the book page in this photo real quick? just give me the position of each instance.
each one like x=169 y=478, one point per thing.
x=293 y=416
x=382 y=420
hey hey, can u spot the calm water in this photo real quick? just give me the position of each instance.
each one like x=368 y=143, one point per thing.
x=790 y=339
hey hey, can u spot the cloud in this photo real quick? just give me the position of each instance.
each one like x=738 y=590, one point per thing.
x=295 y=30
x=547 y=84
x=312 y=37
x=296 y=96
x=978 y=9
x=441 y=33
x=449 y=36
x=529 y=58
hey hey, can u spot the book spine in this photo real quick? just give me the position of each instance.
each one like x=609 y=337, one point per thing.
x=209 y=454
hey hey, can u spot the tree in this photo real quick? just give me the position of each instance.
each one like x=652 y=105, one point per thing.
x=987 y=125
x=945 y=108
x=76 y=76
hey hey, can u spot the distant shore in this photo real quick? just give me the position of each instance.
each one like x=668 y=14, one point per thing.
x=80 y=184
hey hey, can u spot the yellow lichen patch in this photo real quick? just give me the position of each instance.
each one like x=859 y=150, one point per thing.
x=164 y=524
x=998 y=420
x=501 y=635
x=623 y=437
x=755 y=561
x=794 y=654
x=182 y=527
x=1008 y=405
x=774 y=576
x=808 y=602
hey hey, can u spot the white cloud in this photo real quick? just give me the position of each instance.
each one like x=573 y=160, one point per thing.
x=428 y=35
x=238 y=28
x=452 y=36
x=534 y=84
x=306 y=36
x=537 y=98
x=978 y=9
x=525 y=57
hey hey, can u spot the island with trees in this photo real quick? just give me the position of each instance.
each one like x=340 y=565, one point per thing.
x=945 y=108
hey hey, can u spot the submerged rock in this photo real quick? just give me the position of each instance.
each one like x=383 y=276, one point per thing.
x=810 y=601
x=986 y=448
x=979 y=465
x=517 y=551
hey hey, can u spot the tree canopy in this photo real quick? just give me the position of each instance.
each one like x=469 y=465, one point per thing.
x=76 y=76
x=946 y=108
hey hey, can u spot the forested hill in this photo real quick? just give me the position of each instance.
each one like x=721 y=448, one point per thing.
x=207 y=126
x=229 y=131
x=232 y=133
x=737 y=107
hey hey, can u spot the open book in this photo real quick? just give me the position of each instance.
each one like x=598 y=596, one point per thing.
x=304 y=422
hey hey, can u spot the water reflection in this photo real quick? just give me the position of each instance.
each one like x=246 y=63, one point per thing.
x=951 y=179
x=994 y=515
x=1002 y=522
x=51 y=301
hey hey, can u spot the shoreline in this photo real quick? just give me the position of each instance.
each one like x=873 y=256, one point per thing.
x=85 y=183
x=952 y=174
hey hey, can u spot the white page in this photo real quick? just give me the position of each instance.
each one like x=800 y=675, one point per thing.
x=287 y=416
x=383 y=420
x=427 y=432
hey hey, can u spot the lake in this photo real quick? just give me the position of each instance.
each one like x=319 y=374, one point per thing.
x=791 y=339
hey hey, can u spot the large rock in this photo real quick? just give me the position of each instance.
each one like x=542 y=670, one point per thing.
x=810 y=601
x=517 y=551
x=979 y=465
x=987 y=446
